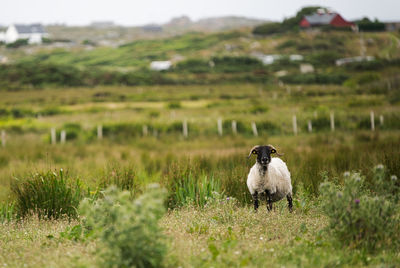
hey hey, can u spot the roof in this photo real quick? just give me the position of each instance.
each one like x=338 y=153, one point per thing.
x=28 y=29
x=320 y=19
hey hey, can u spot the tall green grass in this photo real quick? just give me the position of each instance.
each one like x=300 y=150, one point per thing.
x=7 y=212
x=49 y=195
x=194 y=190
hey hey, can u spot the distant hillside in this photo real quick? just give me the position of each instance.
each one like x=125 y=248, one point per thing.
x=213 y=24
x=115 y=35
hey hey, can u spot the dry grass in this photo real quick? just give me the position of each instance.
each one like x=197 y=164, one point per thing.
x=35 y=243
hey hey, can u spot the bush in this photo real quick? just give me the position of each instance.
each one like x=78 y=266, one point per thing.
x=48 y=194
x=174 y=105
x=18 y=43
x=236 y=64
x=360 y=219
x=328 y=78
x=269 y=28
x=193 y=66
x=323 y=58
x=366 y=25
x=128 y=231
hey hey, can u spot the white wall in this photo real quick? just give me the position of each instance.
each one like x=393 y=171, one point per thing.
x=11 y=34
x=2 y=36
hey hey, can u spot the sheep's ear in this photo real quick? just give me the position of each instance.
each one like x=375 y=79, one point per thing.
x=253 y=151
x=273 y=150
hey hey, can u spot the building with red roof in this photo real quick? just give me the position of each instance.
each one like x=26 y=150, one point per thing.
x=322 y=18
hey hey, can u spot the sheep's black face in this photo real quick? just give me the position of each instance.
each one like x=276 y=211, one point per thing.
x=264 y=154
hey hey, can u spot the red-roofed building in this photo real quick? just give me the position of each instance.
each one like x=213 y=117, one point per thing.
x=322 y=18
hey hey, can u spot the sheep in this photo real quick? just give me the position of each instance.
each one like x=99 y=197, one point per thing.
x=269 y=177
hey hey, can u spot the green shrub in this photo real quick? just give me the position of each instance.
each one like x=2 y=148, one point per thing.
x=174 y=105
x=360 y=219
x=259 y=109
x=321 y=78
x=18 y=43
x=322 y=58
x=366 y=25
x=269 y=28
x=193 y=66
x=287 y=44
x=128 y=231
x=47 y=194
x=236 y=64
x=385 y=185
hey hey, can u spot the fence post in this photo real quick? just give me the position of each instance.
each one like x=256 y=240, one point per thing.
x=145 y=130
x=294 y=121
x=234 y=127
x=332 y=121
x=3 y=138
x=63 y=136
x=53 y=136
x=219 y=123
x=185 y=128
x=309 y=124
x=99 y=132
x=254 y=128
x=372 y=115
x=381 y=120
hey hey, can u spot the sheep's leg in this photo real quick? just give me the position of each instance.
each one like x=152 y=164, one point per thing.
x=255 y=200
x=269 y=200
x=290 y=202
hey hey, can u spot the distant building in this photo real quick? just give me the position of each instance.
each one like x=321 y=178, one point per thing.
x=323 y=17
x=392 y=26
x=102 y=24
x=160 y=65
x=33 y=32
x=152 y=28
x=2 y=37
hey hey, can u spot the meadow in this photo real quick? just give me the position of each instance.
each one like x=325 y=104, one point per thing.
x=87 y=134
x=201 y=229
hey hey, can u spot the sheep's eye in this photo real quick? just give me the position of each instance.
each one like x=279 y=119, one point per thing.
x=254 y=152
x=273 y=151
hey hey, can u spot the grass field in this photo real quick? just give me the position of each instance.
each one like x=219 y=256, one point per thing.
x=352 y=220
x=224 y=232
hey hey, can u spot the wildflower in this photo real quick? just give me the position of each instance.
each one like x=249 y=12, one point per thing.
x=227 y=199
x=357 y=178
x=346 y=174
x=379 y=167
x=357 y=201
x=393 y=178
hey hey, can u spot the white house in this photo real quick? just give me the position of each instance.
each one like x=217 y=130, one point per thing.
x=33 y=32
x=2 y=37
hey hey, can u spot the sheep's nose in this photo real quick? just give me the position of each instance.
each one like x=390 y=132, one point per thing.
x=264 y=159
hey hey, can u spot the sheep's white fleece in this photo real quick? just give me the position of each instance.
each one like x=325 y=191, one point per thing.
x=276 y=179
